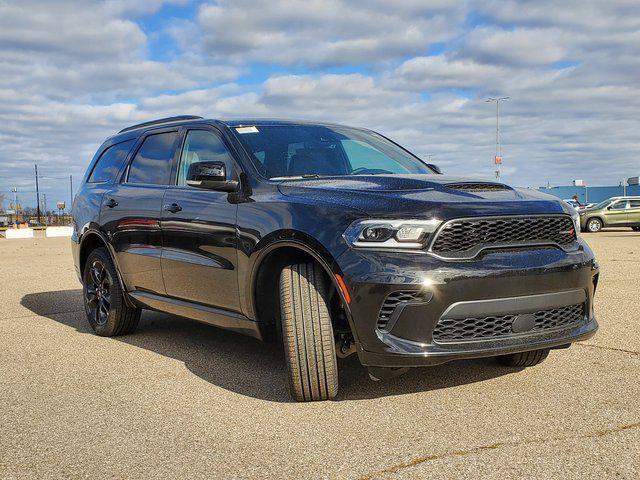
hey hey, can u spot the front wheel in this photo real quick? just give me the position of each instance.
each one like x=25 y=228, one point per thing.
x=104 y=302
x=307 y=333
x=524 y=359
x=594 y=225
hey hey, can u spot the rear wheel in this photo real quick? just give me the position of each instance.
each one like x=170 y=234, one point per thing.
x=307 y=333
x=594 y=225
x=104 y=303
x=524 y=359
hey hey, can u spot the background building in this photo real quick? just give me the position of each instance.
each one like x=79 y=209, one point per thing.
x=587 y=194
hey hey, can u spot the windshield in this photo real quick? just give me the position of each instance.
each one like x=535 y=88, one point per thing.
x=602 y=204
x=314 y=150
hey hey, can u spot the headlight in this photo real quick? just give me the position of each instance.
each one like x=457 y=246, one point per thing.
x=395 y=234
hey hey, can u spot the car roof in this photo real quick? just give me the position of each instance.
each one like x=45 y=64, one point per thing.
x=238 y=122
x=136 y=130
x=613 y=199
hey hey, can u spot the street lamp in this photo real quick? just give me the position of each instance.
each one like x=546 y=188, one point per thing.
x=498 y=157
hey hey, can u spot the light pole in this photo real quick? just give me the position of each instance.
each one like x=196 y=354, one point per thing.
x=37 y=196
x=498 y=158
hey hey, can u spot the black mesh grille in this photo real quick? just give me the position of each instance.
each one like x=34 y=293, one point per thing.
x=485 y=328
x=392 y=301
x=477 y=186
x=466 y=237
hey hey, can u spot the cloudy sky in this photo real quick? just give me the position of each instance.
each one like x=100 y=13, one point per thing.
x=72 y=72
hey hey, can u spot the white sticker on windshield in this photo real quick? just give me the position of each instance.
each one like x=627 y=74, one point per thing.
x=246 y=130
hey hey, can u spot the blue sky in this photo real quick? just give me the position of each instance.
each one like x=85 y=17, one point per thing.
x=73 y=72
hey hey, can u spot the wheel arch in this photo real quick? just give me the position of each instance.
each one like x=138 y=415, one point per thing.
x=272 y=257
x=91 y=240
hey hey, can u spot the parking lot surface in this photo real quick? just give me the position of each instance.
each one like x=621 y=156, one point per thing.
x=179 y=399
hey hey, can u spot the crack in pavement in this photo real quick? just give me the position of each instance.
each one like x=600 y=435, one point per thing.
x=591 y=345
x=461 y=453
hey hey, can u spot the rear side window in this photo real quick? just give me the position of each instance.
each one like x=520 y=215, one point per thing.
x=152 y=163
x=634 y=203
x=110 y=162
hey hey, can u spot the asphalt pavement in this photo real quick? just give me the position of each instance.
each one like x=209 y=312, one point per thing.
x=179 y=399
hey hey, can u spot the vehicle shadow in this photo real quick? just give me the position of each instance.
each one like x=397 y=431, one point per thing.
x=247 y=366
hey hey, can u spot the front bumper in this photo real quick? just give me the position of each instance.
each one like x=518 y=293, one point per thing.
x=496 y=283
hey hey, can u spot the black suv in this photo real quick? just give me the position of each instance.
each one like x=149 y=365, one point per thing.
x=335 y=240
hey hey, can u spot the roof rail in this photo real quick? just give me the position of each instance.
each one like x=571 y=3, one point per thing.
x=161 y=120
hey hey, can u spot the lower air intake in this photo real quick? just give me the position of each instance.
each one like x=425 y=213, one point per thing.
x=392 y=301
x=450 y=330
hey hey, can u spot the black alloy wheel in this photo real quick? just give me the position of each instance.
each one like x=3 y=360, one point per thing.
x=98 y=285
x=104 y=300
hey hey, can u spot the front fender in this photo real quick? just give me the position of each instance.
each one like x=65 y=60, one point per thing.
x=279 y=240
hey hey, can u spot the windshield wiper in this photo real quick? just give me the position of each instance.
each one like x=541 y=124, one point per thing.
x=305 y=175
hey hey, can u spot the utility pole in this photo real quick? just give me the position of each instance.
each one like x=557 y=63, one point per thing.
x=498 y=158
x=71 y=192
x=44 y=201
x=37 y=196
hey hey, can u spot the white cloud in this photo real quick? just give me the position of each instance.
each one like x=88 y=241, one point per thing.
x=521 y=46
x=73 y=72
x=324 y=32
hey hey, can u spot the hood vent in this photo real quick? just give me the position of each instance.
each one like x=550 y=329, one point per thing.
x=477 y=186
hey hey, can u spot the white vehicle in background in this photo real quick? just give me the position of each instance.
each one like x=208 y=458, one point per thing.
x=574 y=203
x=577 y=205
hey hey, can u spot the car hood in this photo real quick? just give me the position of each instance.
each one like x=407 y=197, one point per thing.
x=423 y=196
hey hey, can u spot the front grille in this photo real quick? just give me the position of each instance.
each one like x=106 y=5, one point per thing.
x=464 y=238
x=486 y=328
x=477 y=186
x=392 y=301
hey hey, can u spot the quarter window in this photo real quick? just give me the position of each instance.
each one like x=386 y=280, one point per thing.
x=152 y=163
x=110 y=163
x=202 y=146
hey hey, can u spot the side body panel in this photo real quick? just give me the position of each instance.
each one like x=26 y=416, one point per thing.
x=616 y=216
x=199 y=247
x=132 y=226
x=633 y=213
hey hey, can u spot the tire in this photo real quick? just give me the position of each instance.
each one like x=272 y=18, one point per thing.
x=104 y=302
x=524 y=359
x=307 y=334
x=594 y=225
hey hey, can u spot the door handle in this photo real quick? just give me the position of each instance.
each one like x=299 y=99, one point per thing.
x=111 y=203
x=173 y=208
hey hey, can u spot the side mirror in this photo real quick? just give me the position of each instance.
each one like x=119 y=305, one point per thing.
x=210 y=175
x=435 y=168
